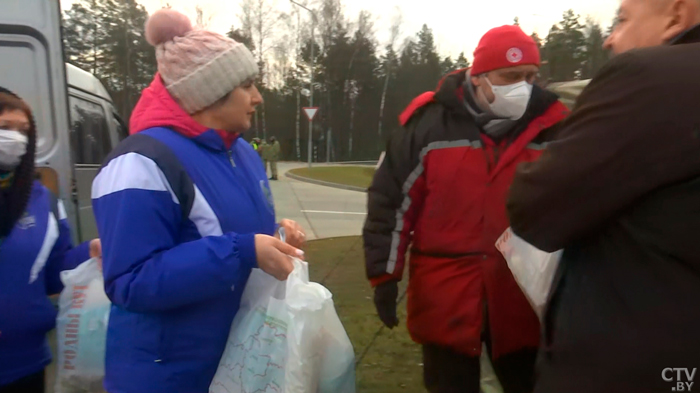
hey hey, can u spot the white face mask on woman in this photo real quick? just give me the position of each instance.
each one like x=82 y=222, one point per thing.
x=510 y=100
x=13 y=145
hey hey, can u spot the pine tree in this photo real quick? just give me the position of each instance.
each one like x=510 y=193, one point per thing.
x=596 y=55
x=461 y=62
x=106 y=38
x=82 y=31
x=447 y=65
x=241 y=36
x=428 y=70
x=565 y=49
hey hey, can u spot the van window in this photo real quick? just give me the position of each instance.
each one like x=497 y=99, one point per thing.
x=89 y=135
x=122 y=129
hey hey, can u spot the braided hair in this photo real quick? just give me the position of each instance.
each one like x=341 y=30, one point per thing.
x=14 y=200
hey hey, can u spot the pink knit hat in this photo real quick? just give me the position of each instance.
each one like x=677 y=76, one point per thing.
x=198 y=67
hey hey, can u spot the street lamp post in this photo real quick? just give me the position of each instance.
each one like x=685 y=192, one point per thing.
x=311 y=78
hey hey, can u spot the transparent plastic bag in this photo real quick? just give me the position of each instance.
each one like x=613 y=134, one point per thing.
x=288 y=338
x=532 y=268
x=81 y=330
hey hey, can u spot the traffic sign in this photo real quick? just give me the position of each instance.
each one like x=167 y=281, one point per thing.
x=311 y=112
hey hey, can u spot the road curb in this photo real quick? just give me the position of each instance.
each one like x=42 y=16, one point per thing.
x=324 y=183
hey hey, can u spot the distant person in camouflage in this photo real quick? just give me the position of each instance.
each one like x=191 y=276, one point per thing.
x=273 y=156
x=264 y=151
x=257 y=146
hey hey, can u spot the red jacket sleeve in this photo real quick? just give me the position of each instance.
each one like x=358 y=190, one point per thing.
x=393 y=202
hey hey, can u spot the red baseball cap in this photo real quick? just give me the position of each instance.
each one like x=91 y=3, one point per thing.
x=503 y=47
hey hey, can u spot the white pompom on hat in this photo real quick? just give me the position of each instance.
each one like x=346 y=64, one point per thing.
x=198 y=67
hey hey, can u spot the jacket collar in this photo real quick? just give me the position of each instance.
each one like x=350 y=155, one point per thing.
x=157 y=108
x=451 y=93
x=690 y=36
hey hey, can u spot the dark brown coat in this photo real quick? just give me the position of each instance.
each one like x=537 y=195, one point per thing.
x=620 y=192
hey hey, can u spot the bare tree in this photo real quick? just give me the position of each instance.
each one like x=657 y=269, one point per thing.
x=395 y=31
x=203 y=20
x=353 y=89
x=297 y=13
x=283 y=49
x=259 y=20
x=331 y=17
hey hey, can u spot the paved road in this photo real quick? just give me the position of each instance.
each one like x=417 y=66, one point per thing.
x=323 y=211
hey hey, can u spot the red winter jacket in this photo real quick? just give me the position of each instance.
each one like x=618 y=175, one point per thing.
x=442 y=190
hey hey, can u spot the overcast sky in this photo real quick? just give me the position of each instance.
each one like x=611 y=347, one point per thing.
x=457 y=25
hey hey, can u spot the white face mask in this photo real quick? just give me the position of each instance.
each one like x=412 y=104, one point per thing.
x=13 y=145
x=511 y=100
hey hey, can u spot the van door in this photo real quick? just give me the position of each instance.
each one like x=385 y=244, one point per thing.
x=92 y=137
x=32 y=66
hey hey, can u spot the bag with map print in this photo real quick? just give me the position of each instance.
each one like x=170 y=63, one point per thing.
x=286 y=337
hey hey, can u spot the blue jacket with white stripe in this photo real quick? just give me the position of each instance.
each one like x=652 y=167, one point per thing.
x=31 y=259
x=177 y=216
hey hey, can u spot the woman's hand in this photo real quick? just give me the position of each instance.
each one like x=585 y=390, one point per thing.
x=96 y=251
x=294 y=232
x=273 y=256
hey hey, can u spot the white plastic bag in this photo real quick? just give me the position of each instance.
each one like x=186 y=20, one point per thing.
x=288 y=338
x=532 y=268
x=82 y=330
x=489 y=380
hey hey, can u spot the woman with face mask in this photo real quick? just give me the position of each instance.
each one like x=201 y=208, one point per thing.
x=185 y=213
x=35 y=246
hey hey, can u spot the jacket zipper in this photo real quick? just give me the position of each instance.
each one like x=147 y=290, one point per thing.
x=230 y=158
x=233 y=164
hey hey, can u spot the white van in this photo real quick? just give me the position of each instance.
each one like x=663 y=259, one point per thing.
x=95 y=130
x=568 y=91
x=76 y=121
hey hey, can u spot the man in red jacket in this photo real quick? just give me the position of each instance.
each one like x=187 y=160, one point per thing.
x=442 y=189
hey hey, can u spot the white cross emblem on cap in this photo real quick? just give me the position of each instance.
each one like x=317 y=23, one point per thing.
x=514 y=55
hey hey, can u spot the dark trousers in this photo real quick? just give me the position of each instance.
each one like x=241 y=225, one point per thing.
x=446 y=371
x=30 y=384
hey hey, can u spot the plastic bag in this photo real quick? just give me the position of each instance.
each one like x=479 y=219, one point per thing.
x=489 y=382
x=288 y=338
x=82 y=330
x=532 y=268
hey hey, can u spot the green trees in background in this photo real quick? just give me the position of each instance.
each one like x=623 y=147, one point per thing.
x=360 y=84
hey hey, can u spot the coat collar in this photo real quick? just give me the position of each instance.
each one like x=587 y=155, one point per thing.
x=157 y=108
x=690 y=36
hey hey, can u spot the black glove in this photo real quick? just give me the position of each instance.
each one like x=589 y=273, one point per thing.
x=385 y=296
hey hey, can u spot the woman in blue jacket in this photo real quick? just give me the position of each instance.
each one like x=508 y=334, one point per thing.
x=184 y=210
x=35 y=246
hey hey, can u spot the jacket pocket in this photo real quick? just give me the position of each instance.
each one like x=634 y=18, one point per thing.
x=143 y=332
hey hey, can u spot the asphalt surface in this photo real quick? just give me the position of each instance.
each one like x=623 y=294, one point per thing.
x=323 y=211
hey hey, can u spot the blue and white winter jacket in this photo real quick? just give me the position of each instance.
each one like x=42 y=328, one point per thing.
x=31 y=259
x=177 y=211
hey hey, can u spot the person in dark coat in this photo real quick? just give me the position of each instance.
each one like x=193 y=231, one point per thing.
x=619 y=191
x=440 y=191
